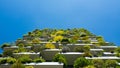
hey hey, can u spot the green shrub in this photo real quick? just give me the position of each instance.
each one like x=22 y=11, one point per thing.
x=87 y=54
x=90 y=66
x=98 y=63
x=5 y=45
x=25 y=59
x=8 y=52
x=29 y=67
x=11 y=60
x=79 y=49
x=86 y=48
x=15 y=51
x=81 y=62
x=18 y=64
x=60 y=58
x=3 y=61
x=38 y=60
x=111 y=63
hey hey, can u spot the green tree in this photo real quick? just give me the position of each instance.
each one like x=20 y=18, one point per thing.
x=29 y=67
x=50 y=46
x=11 y=60
x=111 y=63
x=38 y=60
x=5 y=45
x=18 y=64
x=87 y=54
x=36 y=40
x=60 y=58
x=98 y=63
x=8 y=52
x=90 y=66
x=86 y=48
x=81 y=62
x=79 y=49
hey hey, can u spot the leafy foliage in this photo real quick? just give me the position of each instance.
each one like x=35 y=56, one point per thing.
x=25 y=59
x=90 y=66
x=18 y=64
x=60 y=58
x=111 y=63
x=81 y=62
x=58 y=38
x=37 y=60
x=79 y=49
x=5 y=45
x=50 y=46
x=29 y=67
x=11 y=60
x=8 y=52
x=98 y=63
x=3 y=61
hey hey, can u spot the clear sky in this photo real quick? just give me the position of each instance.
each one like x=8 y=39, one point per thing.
x=101 y=17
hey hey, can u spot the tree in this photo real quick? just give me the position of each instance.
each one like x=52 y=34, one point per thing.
x=87 y=54
x=58 y=38
x=29 y=67
x=117 y=51
x=101 y=40
x=60 y=58
x=98 y=63
x=86 y=48
x=18 y=64
x=81 y=62
x=5 y=45
x=60 y=32
x=11 y=60
x=36 y=40
x=8 y=52
x=50 y=46
x=38 y=60
x=110 y=63
x=90 y=66
x=25 y=59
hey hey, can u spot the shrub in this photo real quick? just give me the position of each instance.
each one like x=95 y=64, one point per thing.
x=81 y=62
x=39 y=60
x=98 y=63
x=36 y=40
x=3 y=61
x=78 y=49
x=25 y=59
x=87 y=54
x=90 y=66
x=18 y=64
x=111 y=63
x=8 y=52
x=11 y=60
x=86 y=48
x=5 y=45
x=50 y=46
x=20 y=45
x=65 y=41
x=29 y=67
x=15 y=51
x=60 y=58
x=21 y=49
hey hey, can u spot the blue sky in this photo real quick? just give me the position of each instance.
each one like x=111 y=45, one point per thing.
x=101 y=17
